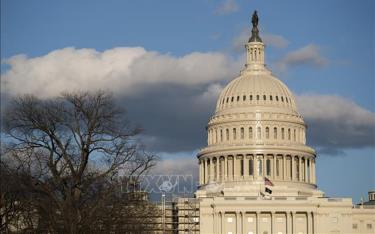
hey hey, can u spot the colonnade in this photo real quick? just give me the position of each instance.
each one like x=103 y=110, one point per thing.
x=290 y=217
x=251 y=167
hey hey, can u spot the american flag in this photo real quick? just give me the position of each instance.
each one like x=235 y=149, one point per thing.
x=267 y=182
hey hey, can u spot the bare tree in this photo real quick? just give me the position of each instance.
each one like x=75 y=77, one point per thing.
x=73 y=148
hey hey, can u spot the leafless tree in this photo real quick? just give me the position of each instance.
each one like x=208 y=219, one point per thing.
x=73 y=149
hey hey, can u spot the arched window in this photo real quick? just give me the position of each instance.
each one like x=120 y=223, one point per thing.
x=251 y=133
x=232 y=99
x=267 y=132
x=244 y=98
x=234 y=134
x=264 y=97
x=275 y=132
x=294 y=135
x=286 y=99
x=289 y=137
x=242 y=133
x=282 y=134
x=238 y=98
x=259 y=133
x=277 y=98
x=260 y=166
x=221 y=134
x=271 y=97
x=251 y=97
x=257 y=97
x=268 y=167
x=308 y=170
x=282 y=99
x=227 y=134
x=227 y=99
x=251 y=166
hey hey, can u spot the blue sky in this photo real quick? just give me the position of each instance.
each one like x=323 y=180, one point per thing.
x=321 y=49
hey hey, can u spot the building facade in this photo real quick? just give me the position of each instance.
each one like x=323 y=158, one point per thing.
x=257 y=175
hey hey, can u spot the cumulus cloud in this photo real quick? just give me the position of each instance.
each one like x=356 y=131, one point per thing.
x=308 y=55
x=336 y=123
x=121 y=70
x=173 y=97
x=273 y=40
x=227 y=7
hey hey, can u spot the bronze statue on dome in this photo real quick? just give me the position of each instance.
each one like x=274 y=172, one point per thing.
x=255 y=19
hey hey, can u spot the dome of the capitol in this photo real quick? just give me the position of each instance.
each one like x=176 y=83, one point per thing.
x=256 y=131
x=256 y=91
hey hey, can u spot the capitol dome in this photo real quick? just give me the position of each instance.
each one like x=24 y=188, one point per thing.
x=256 y=132
x=256 y=91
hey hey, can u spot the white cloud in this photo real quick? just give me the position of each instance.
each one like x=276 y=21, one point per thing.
x=121 y=70
x=274 y=40
x=336 y=123
x=227 y=7
x=308 y=55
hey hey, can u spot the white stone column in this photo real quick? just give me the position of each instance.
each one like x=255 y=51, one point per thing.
x=300 y=168
x=225 y=168
x=258 y=222
x=309 y=223
x=204 y=170
x=246 y=168
x=211 y=174
x=293 y=169
x=287 y=222
x=273 y=172
x=273 y=217
x=235 y=171
x=294 y=219
x=306 y=169
x=200 y=171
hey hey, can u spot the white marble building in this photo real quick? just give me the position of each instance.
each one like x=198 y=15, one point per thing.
x=256 y=133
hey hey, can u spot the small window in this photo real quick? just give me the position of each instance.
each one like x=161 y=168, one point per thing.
x=242 y=133
x=244 y=98
x=275 y=133
x=257 y=97
x=264 y=97
x=232 y=99
x=277 y=98
x=227 y=134
x=294 y=135
x=223 y=100
x=234 y=134
x=251 y=97
x=267 y=132
x=271 y=97
x=251 y=133
x=282 y=134
x=282 y=99
x=227 y=99
x=238 y=98
x=221 y=134
x=286 y=99
x=289 y=136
